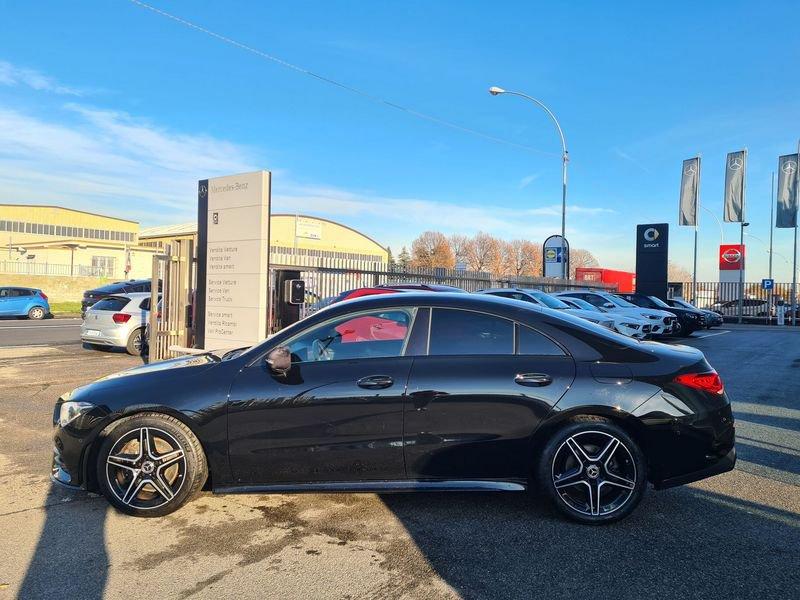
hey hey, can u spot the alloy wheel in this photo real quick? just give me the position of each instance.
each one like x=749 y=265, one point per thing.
x=36 y=313
x=594 y=473
x=146 y=468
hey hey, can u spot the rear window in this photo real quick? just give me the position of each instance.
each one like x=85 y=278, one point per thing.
x=534 y=343
x=114 y=303
x=460 y=332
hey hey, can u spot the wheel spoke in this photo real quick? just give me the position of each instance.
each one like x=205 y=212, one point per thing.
x=594 y=496
x=123 y=462
x=162 y=486
x=144 y=443
x=608 y=451
x=169 y=458
x=616 y=480
x=572 y=478
x=133 y=489
x=575 y=447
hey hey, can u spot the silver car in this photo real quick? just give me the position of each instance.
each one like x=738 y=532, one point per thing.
x=117 y=321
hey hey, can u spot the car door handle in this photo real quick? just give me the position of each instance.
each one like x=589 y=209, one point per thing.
x=533 y=379
x=375 y=382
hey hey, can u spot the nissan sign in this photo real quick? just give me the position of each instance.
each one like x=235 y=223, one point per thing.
x=731 y=257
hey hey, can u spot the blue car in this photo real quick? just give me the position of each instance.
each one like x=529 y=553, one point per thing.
x=23 y=302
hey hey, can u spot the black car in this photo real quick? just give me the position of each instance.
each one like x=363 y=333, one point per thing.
x=712 y=319
x=90 y=297
x=406 y=392
x=689 y=320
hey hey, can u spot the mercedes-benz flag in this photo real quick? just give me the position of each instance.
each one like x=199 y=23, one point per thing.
x=690 y=187
x=787 y=191
x=734 y=186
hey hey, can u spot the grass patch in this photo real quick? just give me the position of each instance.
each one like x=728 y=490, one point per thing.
x=65 y=308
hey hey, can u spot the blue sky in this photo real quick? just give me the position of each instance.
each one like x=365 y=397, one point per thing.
x=109 y=107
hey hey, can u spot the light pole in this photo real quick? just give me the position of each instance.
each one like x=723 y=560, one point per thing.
x=495 y=91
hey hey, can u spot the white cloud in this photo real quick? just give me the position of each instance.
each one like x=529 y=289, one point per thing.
x=11 y=75
x=527 y=180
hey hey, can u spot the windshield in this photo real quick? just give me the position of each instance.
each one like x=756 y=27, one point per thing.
x=583 y=304
x=549 y=301
x=683 y=303
x=659 y=302
x=621 y=302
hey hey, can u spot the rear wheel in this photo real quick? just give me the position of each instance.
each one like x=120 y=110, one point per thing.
x=150 y=465
x=37 y=313
x=135 y=342
x=592 y=471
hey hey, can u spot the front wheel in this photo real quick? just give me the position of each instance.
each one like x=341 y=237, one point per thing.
x=37 y=313
x=593 y=471
x=150 y=465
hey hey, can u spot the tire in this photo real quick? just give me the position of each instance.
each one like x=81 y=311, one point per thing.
x=154 y=483
x=135 y=342
x=37 y=313
x=612 y=471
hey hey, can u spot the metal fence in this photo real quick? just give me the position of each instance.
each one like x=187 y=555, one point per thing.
x=757 y=305
x=329 y=278
x=28 y=267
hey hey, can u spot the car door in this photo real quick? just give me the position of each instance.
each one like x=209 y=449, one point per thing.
x=17 y=303
x=5 y=301
x=337 y=414
x=478 y=395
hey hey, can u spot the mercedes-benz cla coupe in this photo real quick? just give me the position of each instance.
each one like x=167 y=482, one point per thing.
x=400 y=392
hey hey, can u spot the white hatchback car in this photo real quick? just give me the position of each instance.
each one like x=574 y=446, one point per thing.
x=117 y=321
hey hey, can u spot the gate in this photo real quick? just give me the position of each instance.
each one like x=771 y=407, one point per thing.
x=170 y=321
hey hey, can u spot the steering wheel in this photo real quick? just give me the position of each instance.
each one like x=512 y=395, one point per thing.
x=320 y=351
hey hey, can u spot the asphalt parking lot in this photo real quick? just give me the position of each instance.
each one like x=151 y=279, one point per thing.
x=733 y=536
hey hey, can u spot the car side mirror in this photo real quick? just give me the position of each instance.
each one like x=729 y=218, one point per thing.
x=280 y=360
x=608 y=305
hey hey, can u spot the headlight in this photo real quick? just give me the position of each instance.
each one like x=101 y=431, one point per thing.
x=70 y=411
x=631 y=325
x=692 y=316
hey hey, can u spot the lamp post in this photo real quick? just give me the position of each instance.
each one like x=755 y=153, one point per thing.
x=495 y=91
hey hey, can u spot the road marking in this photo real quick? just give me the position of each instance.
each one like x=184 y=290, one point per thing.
x=707 y=335
x=39 y=326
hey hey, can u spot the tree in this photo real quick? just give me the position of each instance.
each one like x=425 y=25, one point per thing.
x=522 y=257
x=580 y=258
x=458 y=245
x=677 y=274
x=483 y=252
x=404 y=259
x=390 y=264
x=431 y=249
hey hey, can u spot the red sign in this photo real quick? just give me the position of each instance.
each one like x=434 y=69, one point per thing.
x=731 y=257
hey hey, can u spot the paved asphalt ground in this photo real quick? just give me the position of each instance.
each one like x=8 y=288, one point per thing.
x=15 y=332
x=734 y=536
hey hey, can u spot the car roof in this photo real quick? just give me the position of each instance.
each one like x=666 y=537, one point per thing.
x=130 y=296
x=20 y=287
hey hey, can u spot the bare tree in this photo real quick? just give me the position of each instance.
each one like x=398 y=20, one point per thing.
x=483 y=252
x=522 y=258
x=430 y=250
x=678 y=274
x=579 y=258
x=459 y=244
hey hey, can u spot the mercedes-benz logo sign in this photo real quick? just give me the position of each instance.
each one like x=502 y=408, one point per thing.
x=735 y=163
x=651 y=234
x=690 y=170
x=202 y=189
x=732 y=255
x=789 y=167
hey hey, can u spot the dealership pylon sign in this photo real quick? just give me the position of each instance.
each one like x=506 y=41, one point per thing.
x=232 y=260
x=556 y=257
x=731 y=269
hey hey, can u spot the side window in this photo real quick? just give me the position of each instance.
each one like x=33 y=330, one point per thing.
x=593 y=300
x=377 y=334
x=4 y=292
x=459 y=332
x=145 y=304
x=532 y=342
x=21 y=292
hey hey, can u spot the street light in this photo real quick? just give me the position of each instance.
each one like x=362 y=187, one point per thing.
x=496 y=91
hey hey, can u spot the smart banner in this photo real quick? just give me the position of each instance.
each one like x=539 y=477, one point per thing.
x=652 y=248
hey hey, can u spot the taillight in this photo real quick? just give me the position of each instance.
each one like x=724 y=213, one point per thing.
x=121 y=318
x=707 y=382
x=43 y=295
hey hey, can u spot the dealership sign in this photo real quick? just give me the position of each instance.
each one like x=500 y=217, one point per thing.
x=556 y=256
x=232 y=260
x=731 y=257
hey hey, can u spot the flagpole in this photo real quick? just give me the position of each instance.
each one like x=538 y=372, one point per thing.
x=771 y=228
x=794 y=255
x=696 y=222
x=741 y=239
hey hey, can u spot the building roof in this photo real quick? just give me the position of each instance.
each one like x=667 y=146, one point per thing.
x=53 y=206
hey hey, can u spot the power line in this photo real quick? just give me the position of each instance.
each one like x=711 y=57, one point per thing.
x=333 y=82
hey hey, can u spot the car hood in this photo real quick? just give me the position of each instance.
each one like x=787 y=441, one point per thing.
x=642 y=312
x=588 y=314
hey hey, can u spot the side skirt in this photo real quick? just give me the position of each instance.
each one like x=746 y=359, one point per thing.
x=377 y=486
